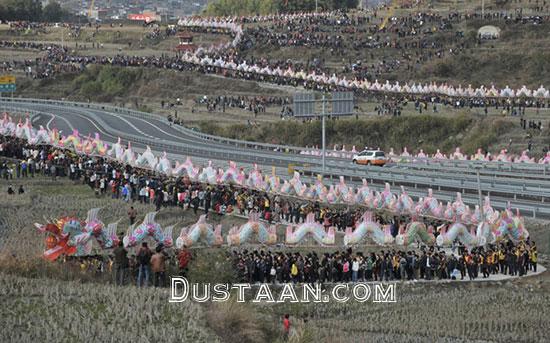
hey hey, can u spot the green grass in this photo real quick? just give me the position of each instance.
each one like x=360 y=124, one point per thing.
x=428 y=132
x=105 y=83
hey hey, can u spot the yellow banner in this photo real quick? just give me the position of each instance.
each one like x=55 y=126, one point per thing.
x=7 y=79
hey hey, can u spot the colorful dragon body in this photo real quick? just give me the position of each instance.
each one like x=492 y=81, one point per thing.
x=310 y=228
x=200 y=231
x=208 y=174
x=117 y=150
x=94 y=146
x=73 y=237
x=148 y=228
x=231 y=175
x=73 y=141
x=510 y=227
x=415 y=232
x=147 y=159
x=459 y=231
x=164 y=165
x=188 y=168
x=256 y=180
x=253 y=228
x=368 y=228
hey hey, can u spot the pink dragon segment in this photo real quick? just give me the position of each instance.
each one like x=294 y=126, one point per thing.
x=524 y=158
x=200 y=231
x=364 y=195
x=117 y=150
x=405 y=204
x=430 y=206
x=545 y=159
x=368 y=228
x=256 y=180
x=310 y=228
x=208 y=174
x=186 y=168
x=41 y=137
x=128 y=156
x=164 y=165
x=147 y=159
x=148 y=228
x=344 y=192
x=273 y=182
x=231 y=175
x=253 y=228
x=385 y=199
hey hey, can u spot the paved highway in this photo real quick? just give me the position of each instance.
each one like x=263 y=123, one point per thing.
x=527 y=186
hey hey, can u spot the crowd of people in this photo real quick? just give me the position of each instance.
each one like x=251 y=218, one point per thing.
x=255 y=104
x=412 y=35
x=108 y=178
x=138 y=185
x=112 y=179
x=426 y=263
x=145 y=267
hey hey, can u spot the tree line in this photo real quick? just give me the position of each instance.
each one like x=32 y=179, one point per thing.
x=32 y=10
x=254 y=7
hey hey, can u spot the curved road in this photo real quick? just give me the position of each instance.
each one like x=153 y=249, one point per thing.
x=528 y=186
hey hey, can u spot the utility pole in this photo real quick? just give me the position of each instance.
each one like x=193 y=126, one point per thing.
x=304 y=107
x=324 y=131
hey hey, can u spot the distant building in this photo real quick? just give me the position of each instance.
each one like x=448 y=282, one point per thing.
x=146 y=16
x=186 y=43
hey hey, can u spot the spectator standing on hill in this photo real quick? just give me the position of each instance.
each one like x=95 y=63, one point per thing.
x=132 y=214
x=121 y=263
x=158 y=266
x=144 y=261
x=286 y=327
x=184 y=256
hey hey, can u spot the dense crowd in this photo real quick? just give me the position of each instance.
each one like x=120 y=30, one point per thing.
x=427 y=263
x=115 y=180
x=109 y=178
x=412 y=35
x=255 y=104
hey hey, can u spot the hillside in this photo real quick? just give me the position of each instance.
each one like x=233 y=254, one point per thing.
x=145 y=89
x=434 y=41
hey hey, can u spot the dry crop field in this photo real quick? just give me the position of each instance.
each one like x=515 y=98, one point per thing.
x=42 y=305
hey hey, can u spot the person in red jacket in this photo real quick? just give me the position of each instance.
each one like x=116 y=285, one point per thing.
x=184 y=256
x=286 y=327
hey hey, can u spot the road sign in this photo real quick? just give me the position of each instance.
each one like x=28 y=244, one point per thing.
x=7 y=83
x=304 y=105
x=8 y=87
x=6 y=79
x=342 y=103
